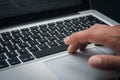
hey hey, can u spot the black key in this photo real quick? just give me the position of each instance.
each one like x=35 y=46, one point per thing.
x=26 y=32
x=36 y=36
x=22 y=51
x=3 y=64
x=16 y=41
x=67 y=33
x=68 y=24
x=74 y=19
x=0 y=46
x=16 y=34
x=33 y=49
x=59 y=26
x=44 y=28
x=42 y=40
x=53 y=32
x=78 y=28
x=35 y=31
x=2 y=57
x=84 y=24
x=6 y=36
x=77 y=22
x=14 y=61
x=60 y=42
x=15 y=31
x=91 y=23
x=34 y=28
x=60 y=22
x=52 y=28
x=60 y=36
x=12 y=47
x=43 y=46
x=90 y=18
x=45 y=34
x=51 y=24
x=33 y=42
x=3 y=50
x=62 y=30
x=67 y=21
x=1 y=39
x=6 y=43
x=23 y=45
x=49 y=51
x=51 y=44
x=51 y=38
x=11 y=54
x=5 y=33
x=27 y=38
x=70 y=29
x=26 y=57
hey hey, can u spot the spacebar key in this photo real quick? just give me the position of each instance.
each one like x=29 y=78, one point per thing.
x=49 y=51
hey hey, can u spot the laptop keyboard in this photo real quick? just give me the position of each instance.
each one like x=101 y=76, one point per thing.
x=19 y=46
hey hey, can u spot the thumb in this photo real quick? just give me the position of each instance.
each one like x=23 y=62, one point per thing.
x=105 y=62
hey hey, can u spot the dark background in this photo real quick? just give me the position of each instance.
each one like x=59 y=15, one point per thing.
x=110 y=8
x=15 y=8
x=15 y=12
x=10 y=8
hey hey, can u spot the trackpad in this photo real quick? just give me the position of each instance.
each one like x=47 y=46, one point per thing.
x=75 y=67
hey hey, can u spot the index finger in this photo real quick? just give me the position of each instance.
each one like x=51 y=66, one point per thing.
x=97 y=34
x=77 y=37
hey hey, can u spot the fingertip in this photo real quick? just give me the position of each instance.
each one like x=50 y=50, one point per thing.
x=95 y=61
x=71 y=50
x=66 y=40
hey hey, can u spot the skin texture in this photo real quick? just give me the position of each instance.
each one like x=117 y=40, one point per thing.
x=100 y=35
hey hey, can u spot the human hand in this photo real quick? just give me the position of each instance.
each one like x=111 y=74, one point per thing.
x=101 y=35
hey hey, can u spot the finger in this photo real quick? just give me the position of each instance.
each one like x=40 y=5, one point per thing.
x=94 y=34
x=77 y=37
x=83 y=46
x=105 y=62
x=73 y=48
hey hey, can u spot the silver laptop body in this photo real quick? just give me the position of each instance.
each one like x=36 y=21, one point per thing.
x=62 y=65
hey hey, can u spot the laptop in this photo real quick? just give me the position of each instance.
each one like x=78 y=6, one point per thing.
x=31 y=40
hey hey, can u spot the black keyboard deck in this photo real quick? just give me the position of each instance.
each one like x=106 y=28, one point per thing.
x=27 y=44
